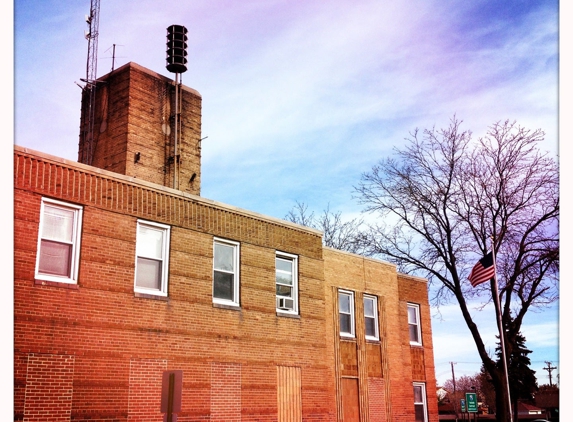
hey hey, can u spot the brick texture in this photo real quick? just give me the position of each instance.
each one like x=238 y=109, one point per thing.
x=377 y=408
x=145 y=376
x=115 y=336
x=134 y=117
x=49 y=388
x=111 y=331
x=384 y=370
x=225 y=392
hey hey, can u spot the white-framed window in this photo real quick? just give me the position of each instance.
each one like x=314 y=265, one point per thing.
x=346 y=313
x=152 y=258
x=414 y=324
x=286 y=280
x=371 y=317
x=225 y=272
x=420 y=408
x=59 y=238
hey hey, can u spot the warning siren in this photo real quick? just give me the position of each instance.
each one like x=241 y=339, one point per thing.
x=176 y=49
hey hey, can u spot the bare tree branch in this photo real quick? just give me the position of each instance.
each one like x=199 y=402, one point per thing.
x=444 y=199
x=337 y=233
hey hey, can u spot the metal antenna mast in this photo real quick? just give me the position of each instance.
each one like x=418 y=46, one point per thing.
x=89 y=90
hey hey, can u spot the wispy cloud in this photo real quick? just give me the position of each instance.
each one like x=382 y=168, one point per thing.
x=301 y=97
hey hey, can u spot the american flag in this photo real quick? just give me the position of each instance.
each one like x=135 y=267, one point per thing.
x=483 y=271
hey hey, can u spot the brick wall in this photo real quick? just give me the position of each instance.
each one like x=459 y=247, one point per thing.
x=226 y=392
x=414 y=290
x=49 y=387
x=383 y=369
x=145 y=376
x=134 y=129
x=121 y=343
x=377 y=410
x=107 y=347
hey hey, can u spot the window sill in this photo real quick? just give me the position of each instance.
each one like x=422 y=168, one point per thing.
x=61 y=284
x=288 y=315
x=225 y=306
x=150 y=296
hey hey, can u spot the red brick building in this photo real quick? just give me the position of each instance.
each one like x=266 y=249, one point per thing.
x=123 y=273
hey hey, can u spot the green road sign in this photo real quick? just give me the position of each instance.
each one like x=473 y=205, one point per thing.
x=463 y=403
x=471 y=400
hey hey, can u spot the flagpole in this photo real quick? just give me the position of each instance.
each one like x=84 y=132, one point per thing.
x=501 y=331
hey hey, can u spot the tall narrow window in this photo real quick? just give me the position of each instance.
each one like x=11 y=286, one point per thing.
x=346 y=313
x=152 y=257
x=414 y=324
x=226 y=272
x=371 y=317
x=58 y=241
x=421 y=412
x=286 y=270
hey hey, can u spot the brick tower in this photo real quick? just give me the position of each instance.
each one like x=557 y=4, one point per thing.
x=134 y=133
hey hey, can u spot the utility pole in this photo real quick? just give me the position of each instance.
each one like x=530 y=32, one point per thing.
x=454 y=382
x=549 y=368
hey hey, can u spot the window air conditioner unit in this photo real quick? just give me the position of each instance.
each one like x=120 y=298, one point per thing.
x=285 y=303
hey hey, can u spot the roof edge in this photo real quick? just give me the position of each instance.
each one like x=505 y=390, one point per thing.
x=149 y=72
x=141 y=182
x=369 y=258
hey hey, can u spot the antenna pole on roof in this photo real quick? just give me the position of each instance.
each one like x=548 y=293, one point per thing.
x=87 y=132
x=176 y=63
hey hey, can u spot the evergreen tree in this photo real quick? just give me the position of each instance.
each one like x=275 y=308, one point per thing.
x=487 y=389
x=522 y=380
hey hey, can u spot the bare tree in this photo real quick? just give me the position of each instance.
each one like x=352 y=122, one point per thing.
x=464 y=384
x=338 y=234
x=444 y=199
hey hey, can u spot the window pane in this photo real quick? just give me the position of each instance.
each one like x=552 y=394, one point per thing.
x=345 y=323
x=414 y=333
x=369 y=307
x=223 y=287
x=55 y=258
x=419 y=403
x=419 y=409
x=284 y=271
x=284 y=265
x=284 y=291
x=284 y=278
x=344 y=303
x=370 y=327
x=150 y=242
x=418 y=394
x=412 y=317
x=223 y=259
x=148 y=274
x=58 y=224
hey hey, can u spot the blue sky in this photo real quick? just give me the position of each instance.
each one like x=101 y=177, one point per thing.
x=302 y=97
